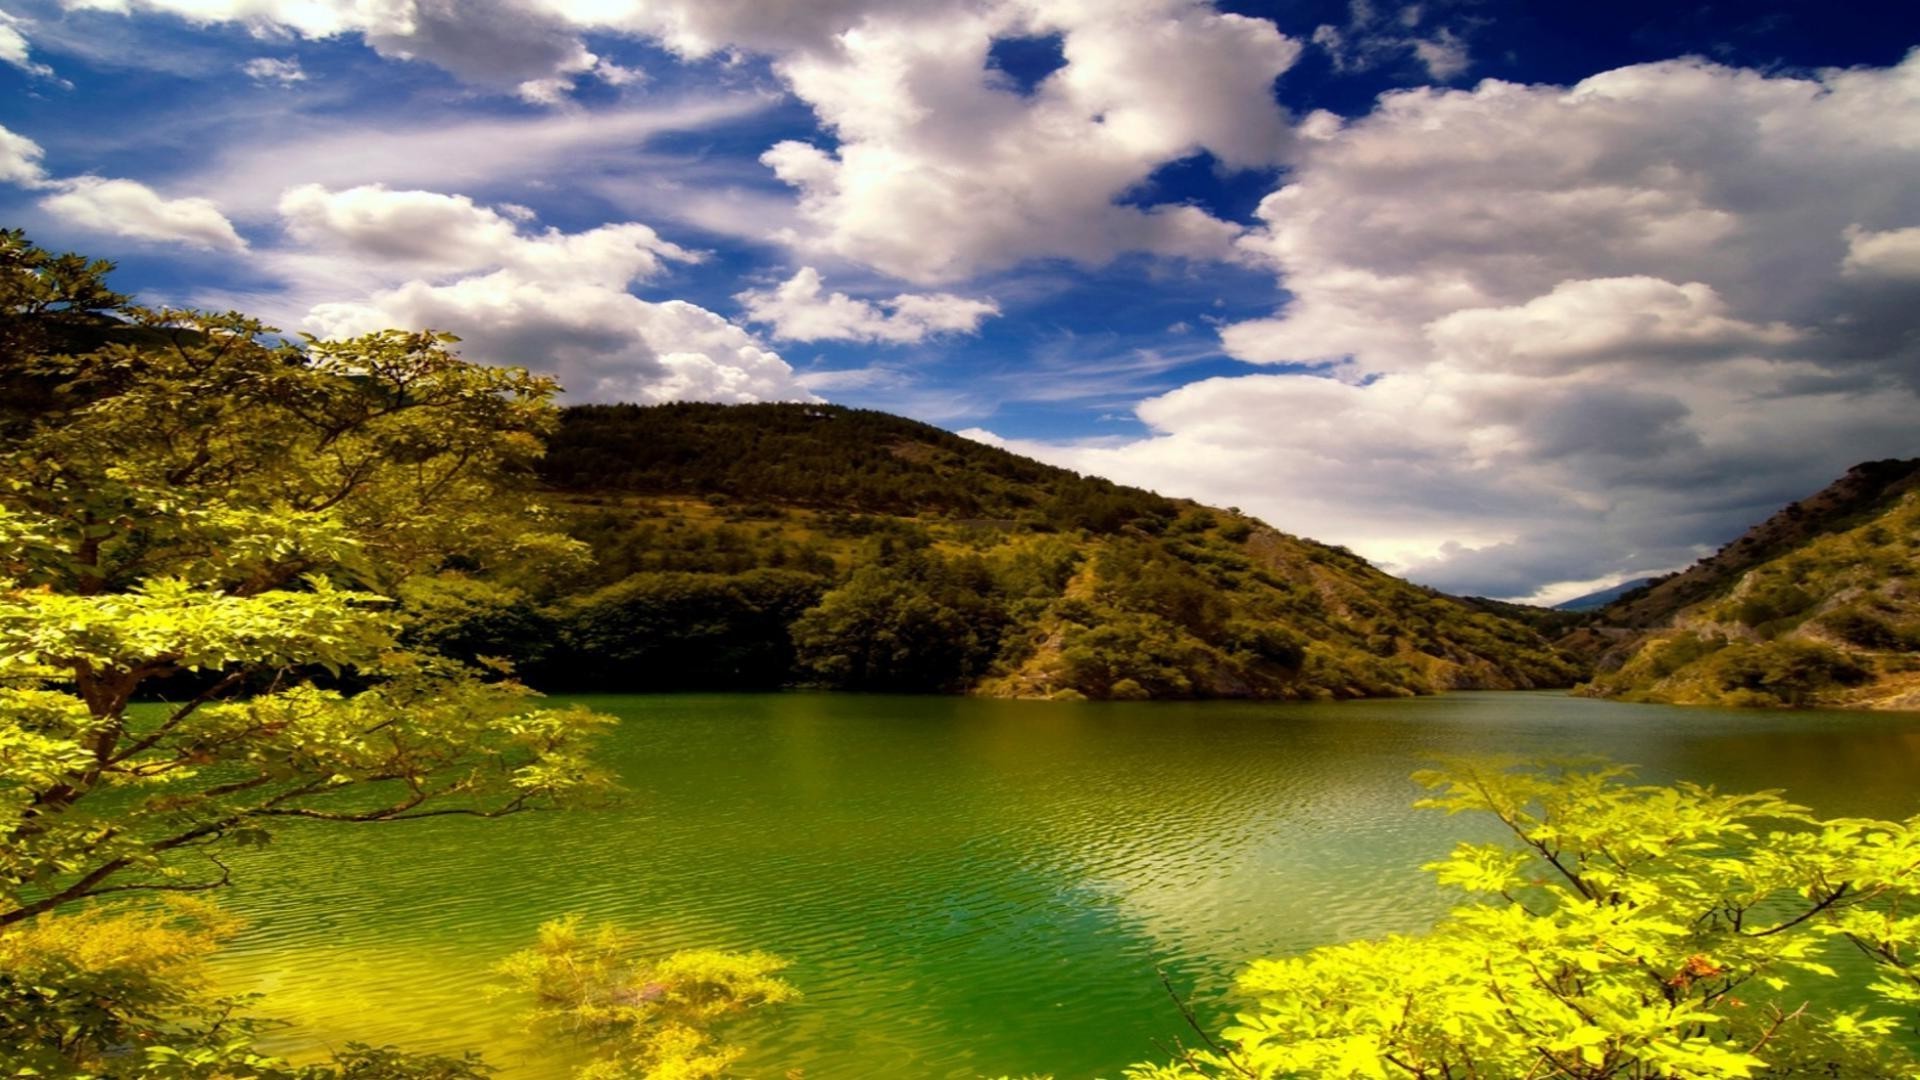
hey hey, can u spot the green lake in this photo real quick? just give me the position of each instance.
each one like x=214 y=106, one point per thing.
x=965 y=887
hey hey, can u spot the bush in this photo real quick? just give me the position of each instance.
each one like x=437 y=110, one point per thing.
x=1787 y=672
x=1867 y=630
x=1772 y=602
x=1635 y=931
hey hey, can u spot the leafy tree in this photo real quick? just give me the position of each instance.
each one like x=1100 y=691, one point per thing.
x=49 y=304
x=1636 y=932
x=913 y=622
x=229 y=521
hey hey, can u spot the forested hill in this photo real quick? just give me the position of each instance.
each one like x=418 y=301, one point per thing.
x=765 y=545
x=1819 y=604
x=827 y=458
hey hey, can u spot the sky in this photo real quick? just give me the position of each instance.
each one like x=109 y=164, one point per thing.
x=1514 y=299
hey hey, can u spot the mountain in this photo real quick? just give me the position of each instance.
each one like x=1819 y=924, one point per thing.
x=1594 y=601
x=1818 y=605
x=764 y=545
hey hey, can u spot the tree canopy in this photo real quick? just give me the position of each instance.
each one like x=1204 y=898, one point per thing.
x=204 y=537
x=1629 y=931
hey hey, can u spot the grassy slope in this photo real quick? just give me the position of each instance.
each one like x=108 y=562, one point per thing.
x=1819 y=605
x=1095 y=588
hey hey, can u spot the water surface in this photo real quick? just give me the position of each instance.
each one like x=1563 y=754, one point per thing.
x=965 y=887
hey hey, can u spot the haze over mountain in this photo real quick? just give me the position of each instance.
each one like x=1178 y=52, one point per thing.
x=1518 y=300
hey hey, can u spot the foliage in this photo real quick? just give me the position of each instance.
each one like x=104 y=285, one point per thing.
x=829 y=457
x=238 y=516
x=911 y=621
x=49 y=304
x=1082 y=586
x=1636 y=931
x=1833 y=620
x=673 y=630
x=648 y=1018
x=125 y=994
x=195 y=512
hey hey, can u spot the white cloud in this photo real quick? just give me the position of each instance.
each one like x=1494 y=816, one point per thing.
x=943 y=170
x=20 y=160
x=15 y=50
x=116 y=207
x=267 y=69
x=1583 y=324
x=604 y=343
x=434 y=234
x=800 y=310
x=1892 y=253
x=547 y=300
x=133 y=210
x=458 y=151
x=1572 y=330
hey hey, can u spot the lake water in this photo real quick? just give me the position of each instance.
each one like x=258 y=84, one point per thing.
x=965 y=887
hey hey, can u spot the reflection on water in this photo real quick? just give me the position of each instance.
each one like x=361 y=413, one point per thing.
x=965 y=886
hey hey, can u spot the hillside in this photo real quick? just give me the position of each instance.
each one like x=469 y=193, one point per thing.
x=765 y=545
x=1818 y=605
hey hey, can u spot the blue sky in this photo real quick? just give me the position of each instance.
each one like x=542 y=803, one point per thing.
x=1516 y=299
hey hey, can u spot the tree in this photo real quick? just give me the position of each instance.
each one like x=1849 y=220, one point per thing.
x=1637 y=932
x=912 y=621
x=224 y=522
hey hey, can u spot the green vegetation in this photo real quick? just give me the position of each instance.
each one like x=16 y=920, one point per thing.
x=1637 y=931
x=254 y=538
x=651 y=1018
x=816 y=545
x=1833 y=619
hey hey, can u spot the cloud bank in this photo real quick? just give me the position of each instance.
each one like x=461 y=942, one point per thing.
x=1560 y=334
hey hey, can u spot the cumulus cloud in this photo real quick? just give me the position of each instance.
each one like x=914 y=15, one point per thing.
x=20 y=160
x=1584 y=324
x=1564 y=334
x=944 y=170
x=116 y=207
x=799 y=309
x=131 y=209
x=547 y=300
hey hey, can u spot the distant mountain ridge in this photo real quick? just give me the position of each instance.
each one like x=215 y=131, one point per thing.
x=1817 y=605
x=774 y=544
x=1598 y=599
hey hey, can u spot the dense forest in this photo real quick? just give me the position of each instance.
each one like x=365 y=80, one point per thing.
x=770 y=545
x=1818 y=605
